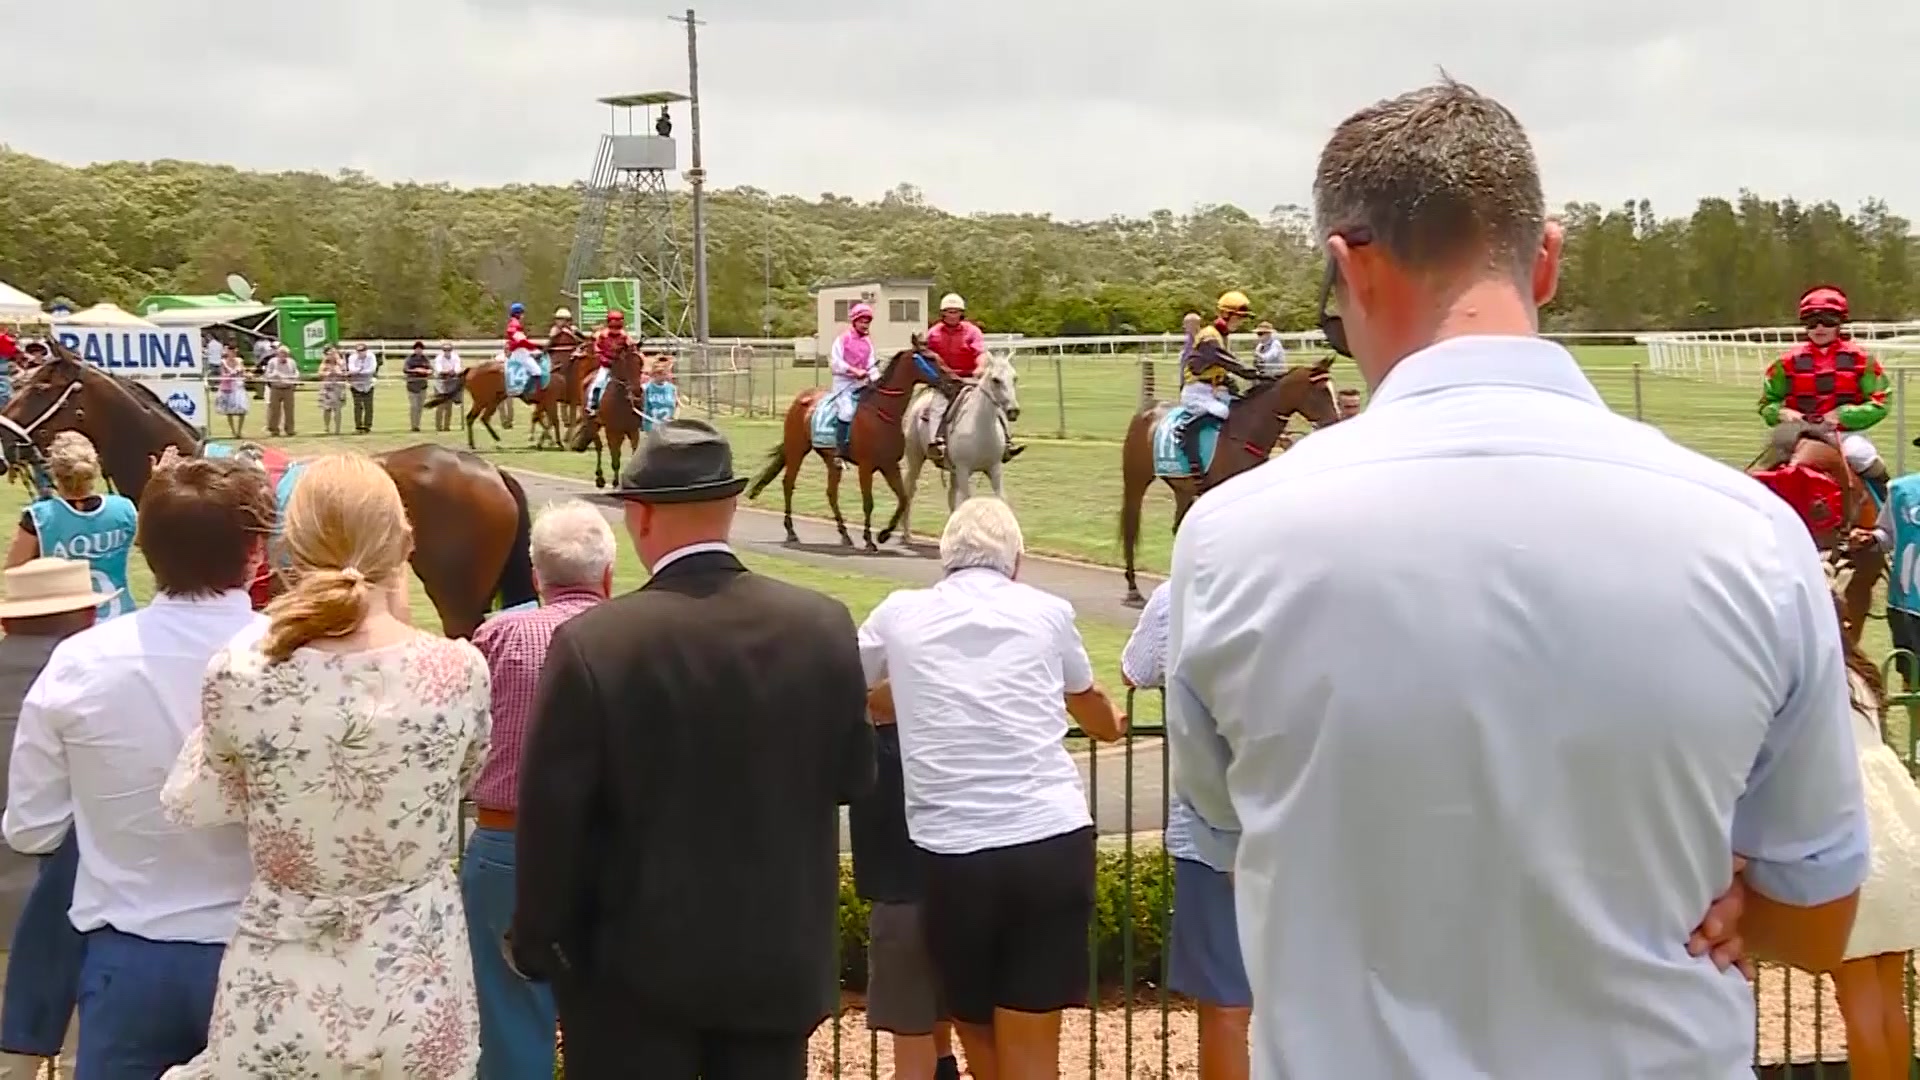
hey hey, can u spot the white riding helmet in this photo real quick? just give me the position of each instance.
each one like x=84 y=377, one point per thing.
x=952 y=302
x=563 y=313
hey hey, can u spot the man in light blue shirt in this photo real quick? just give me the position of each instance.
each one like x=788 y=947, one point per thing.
x=1496 y=684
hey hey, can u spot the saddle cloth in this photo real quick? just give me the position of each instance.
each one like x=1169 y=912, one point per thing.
x=1169 y=459
x=823 y=422
x=519 y=374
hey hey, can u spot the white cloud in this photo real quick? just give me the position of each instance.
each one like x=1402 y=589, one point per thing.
x=1064 y=106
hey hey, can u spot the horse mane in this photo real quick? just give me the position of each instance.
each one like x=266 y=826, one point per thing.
x=149 y=402
x=1786 y=435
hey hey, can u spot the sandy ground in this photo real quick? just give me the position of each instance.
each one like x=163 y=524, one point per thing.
x=859 y=1056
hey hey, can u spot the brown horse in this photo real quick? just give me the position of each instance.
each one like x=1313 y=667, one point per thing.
x=486 y=385
x=1857 y=558
x=878 y=443
x=1252 y=429
x=470 y=518
x=563 y=348
x=616 y=419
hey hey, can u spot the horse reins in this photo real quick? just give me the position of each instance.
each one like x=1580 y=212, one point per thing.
x=48 y=413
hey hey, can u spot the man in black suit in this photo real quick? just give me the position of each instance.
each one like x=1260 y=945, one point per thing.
x=678 y=826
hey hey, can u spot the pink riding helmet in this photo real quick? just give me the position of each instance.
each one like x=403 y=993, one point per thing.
x=858 y=312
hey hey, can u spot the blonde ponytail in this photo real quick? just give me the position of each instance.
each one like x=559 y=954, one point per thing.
x=347 y=535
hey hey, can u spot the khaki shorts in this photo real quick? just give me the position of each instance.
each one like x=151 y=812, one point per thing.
x=903 y=993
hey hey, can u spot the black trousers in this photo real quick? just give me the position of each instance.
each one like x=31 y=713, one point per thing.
x=606 y=1038
x=363 y=410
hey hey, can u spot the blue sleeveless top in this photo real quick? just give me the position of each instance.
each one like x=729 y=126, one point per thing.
x=103 y=538
x=659 y=399
x=1903 y=505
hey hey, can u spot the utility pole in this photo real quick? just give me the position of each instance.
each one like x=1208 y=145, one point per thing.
x=697 y=178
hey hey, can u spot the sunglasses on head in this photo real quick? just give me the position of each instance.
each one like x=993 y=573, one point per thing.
x=1822 y=318
x=1333 y=327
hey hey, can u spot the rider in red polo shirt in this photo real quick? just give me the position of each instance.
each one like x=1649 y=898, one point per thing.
x=959 y=344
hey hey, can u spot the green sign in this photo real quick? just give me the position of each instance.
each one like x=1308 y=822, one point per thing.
x=600 y=296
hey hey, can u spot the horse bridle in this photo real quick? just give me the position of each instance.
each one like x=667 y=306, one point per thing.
x=25 y=433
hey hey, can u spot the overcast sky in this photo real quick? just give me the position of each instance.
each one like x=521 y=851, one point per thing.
x=1081 y=108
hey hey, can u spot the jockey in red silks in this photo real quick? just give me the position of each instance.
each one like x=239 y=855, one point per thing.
x=516 y=323
x=1830 y=380
x=960 y=346
x=608 y=341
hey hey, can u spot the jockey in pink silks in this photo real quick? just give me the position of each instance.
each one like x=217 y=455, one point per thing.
x=852 y=365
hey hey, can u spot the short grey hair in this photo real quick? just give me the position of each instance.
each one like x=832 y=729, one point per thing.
x=1442 y=177
x=572 y=545
x=982 y=533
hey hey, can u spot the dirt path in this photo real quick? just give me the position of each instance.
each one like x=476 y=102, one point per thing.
x=1096 y=592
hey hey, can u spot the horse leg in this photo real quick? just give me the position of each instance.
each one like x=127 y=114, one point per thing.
x=614 y=441
x=486 y=421
x=473 y=413
x=892 y=475
x=599 y=473
x=993 y=477
x=866 y=508
x=793 y=463
x=915 y=460
x=833 y=497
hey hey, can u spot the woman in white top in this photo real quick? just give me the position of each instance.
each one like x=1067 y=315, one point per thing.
x=343 y=740
x=1871 y=983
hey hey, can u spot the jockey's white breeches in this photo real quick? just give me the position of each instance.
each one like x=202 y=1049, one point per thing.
x=1860 y=452
x=1200 y=397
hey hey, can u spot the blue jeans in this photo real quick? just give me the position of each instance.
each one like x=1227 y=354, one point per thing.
x=144 y=1005
x=43 y=969
x=517 y=1018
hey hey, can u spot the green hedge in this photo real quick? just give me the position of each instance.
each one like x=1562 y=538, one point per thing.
x=1152 y=901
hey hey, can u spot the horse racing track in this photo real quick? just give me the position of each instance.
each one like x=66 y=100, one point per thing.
x=1067 y=493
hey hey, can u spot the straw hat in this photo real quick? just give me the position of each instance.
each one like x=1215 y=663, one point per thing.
x=48 y=587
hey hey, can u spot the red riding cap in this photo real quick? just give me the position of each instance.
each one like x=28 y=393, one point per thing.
x=8 y=350
x=1823 y=298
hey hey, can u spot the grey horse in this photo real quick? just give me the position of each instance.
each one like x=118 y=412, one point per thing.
x=977 y=439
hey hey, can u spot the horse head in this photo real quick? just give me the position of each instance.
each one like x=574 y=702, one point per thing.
x=1001 y=383
x=1814 y=447
x=1305 y=389
x=124 y=420
x=920 y=367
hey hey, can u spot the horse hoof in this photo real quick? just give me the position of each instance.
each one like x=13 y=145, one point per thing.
x=599 y=481
x=792 y=537
x=871 y=548
x=1134 y=599
x=845 y=540
x=885 y=535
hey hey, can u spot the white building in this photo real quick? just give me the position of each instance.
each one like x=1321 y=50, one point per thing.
x=900 y=310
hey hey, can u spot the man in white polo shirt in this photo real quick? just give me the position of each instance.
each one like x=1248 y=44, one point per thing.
x=1506 y=681
x=982 y=673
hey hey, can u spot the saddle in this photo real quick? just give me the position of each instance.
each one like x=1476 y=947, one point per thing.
x=1169 y=455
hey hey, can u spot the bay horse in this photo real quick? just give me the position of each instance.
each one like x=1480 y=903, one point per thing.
x=1858 y=561
x=471 y=525
x=877 y=444
x=617 y=418
x=486 y=384
x=564 y=347
x=1252 y=428
x=977 y=439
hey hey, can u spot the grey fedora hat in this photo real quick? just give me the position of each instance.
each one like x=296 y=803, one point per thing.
x=681 y=461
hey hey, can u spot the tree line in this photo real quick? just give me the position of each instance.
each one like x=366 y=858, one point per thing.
x=407 y=259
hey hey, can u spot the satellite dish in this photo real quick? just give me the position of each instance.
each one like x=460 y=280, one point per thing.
x=239 y=287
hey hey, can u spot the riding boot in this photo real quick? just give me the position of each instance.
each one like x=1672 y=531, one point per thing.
x=937 y=449
x=845 y=439
x=1012 y=451
x=1190 y=444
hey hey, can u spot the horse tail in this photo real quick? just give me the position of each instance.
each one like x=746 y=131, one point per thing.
x=452 y=394
x=776 y=461
x=516 y=577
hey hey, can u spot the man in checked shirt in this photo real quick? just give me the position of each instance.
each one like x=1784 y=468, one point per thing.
x=573 y=551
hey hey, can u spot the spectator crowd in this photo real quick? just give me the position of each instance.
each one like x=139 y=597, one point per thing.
x=1463 y=784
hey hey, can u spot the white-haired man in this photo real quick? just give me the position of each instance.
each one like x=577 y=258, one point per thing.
x=982 y=673
x=1488 y=857
x=573 y=552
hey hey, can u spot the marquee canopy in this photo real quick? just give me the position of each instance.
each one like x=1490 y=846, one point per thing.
x=18 y=306
x=107 y=315
x=210 y=315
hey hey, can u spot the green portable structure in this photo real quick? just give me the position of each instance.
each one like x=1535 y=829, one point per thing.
x=306 y=326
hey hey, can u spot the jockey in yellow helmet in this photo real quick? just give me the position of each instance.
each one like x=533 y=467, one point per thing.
x=1207 y=375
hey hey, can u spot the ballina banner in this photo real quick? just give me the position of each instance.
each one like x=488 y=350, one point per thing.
x=164 y=360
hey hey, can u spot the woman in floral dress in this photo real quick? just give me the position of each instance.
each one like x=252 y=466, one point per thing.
x=344 y=740
x=333 y=390
x=231 y=399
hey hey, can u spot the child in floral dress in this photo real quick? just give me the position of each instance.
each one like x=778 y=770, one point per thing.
x=333 y=391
